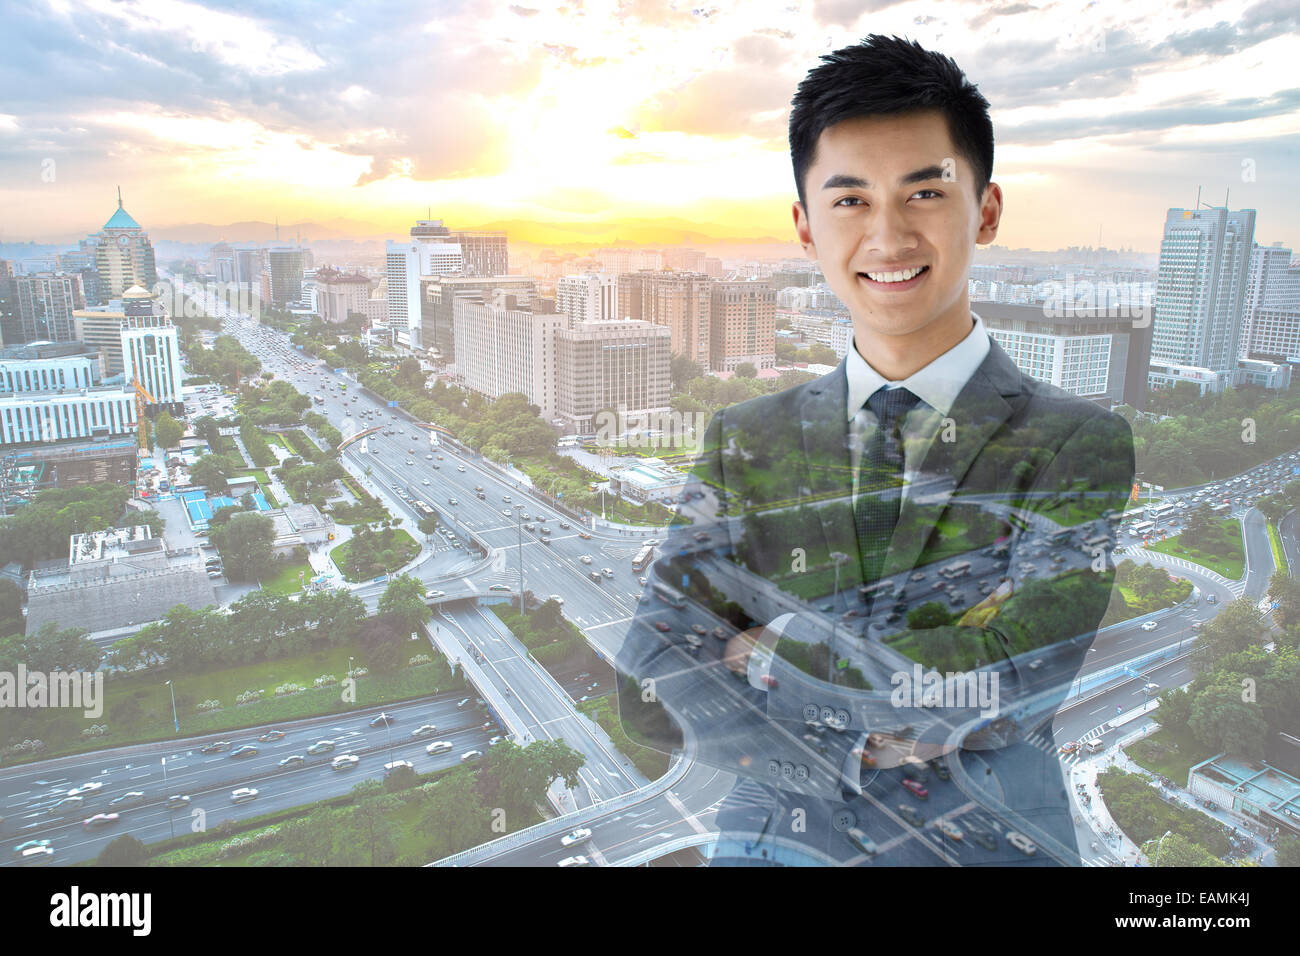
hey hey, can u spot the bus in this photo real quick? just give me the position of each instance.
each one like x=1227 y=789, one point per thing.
x=1060 y=537
x=423 y=508
x=883 y=589
x=1142 y=528
x=955 y=570
x=643 y=558
x=670 y=596
x=318 y=399
x=1160 y=512
x=1221 y=508
x=1096 y=541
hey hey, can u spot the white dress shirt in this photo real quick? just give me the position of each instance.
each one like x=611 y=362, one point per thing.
x=937 y=385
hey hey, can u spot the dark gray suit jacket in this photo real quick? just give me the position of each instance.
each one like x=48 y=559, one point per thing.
x=765 y=543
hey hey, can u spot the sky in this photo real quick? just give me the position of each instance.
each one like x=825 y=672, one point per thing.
x=1105 y=113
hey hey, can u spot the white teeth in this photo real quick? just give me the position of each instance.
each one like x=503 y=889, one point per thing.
x=895 y=276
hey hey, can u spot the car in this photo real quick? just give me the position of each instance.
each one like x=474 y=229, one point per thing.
x=424 y=481
x=530 y=527
x=564 y=524
x=460 y=467
x=694 y=640
x=248 y=750
x=293 y=760
x=85 y=788
x=216 y=747
x=437 y=594
x=505 y=512
x=949 y=829
x=506 y=499
x=383 y=720
x=424 y=730
x=100 y=820
x=428 y=457
x=66 y=805
x=985 y=839
x=453 y=501
x=651 y=542
x=397 y=765
x=493 y=741
x=21 y=848
x=595 y=576
x=1149 y=626
x=1035 y=664
x=499 y=587
x=128 y=799
x=578 y=860
x=916 y=789
x=1021 y=843
x=470 y=755
x=344 y=762
x=462 y=702
x=585 y=558
x=580 y=835
x=178 y=801
x=321 y=747
x=243 y=794
x=860 y=841
x=545 y=541
x=584 y=535
x=438 y=747
x=608 y=572
x=911 y=815
x=271 y=735
x=1069 y=747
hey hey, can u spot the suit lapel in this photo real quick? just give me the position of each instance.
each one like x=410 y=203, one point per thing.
x=980 y=410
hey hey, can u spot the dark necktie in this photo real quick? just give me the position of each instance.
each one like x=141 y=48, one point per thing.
x=880 y=477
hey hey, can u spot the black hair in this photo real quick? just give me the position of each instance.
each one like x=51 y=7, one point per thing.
x=881 y=76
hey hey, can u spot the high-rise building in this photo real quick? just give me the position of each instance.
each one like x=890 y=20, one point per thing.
x=1200 y=291
x=430 y=251
x=123 y=255
x=339 y=294
x=284 y=271
x=437 y=306
x=743 y=325
x=484 y=253
x=46 y=302
x=502 y=346
x=151 y=352
x=250 y=263
x=221 y=262
x=616 y=365
x=10 y=326
x=680 y=301
x=590 y=297
x=1273 y=288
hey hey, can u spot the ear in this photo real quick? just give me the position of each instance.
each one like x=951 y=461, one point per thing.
x=990 y=214
x=803 y=230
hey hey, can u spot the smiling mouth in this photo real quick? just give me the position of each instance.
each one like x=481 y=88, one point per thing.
x=900 y=277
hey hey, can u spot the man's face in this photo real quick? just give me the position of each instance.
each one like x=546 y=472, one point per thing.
x=900 y=198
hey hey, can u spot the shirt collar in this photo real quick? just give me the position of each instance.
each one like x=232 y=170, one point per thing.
x=937 y=384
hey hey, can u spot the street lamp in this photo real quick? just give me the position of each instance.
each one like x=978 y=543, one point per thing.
x=176 y=722
x=1158 y=842
x=839 y=557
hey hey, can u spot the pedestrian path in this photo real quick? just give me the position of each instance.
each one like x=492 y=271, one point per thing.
x=1167 y=560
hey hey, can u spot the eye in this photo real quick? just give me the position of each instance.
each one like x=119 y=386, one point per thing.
x=930 y=191
x=838 y=201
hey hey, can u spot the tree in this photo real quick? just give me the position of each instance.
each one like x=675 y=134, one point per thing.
x=381 y=640
x=167 y=431
x=746 y=370
x=682 y=370
x=1287 y=850
x=11 y=608
x=403 y=602
x=1177 y=850
x=454 y=814
x=410 y=374
x=428 y=524
x=210 y=472
x=929 y=615
x=244 y=543
x=310 y=839
x=819 y=354
x=125 y=850
x=1237 y=626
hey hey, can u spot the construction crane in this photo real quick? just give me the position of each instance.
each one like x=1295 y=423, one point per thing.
x=141 y=397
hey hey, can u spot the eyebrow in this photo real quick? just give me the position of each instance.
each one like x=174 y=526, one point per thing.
x=847 y=181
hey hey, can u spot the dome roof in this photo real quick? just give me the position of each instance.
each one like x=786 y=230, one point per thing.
x=137 y=292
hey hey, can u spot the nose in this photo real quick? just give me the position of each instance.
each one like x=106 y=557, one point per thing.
x=887 y=236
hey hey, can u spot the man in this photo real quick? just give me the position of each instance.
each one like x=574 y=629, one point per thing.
x=816 y=518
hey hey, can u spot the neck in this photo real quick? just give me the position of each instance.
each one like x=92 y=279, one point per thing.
x=898 y=356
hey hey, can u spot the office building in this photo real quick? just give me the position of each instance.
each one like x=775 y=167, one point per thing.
x=1103 y=358
x=282 y=278
x=484 y=253
x=438 y=299
x=743 y=325
x=502 y=346
x=1201 y=290
x=430 y=251
x=589 y=297
x=1271 y=324
x=679 y=301
x=46 y=302
x=340 y=295
x=610 y=365
x=123 y=255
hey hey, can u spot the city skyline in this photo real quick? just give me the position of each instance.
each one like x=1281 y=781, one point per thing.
x=592 y=116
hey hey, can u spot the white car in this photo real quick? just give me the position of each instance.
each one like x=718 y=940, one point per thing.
x=85 y=788
x=1149 y=626
x=1021 y=843
x=424 y=730
x=426 y=481
x=470 y=755
x=608 y=572
x=578 y=860
x=390 y=767
x=345 y=761
x=949 y=829
x=580 y=835
x=242 y=794
x=585 y=559
x=505 y=512
x=557 y=599
x=438 y=747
